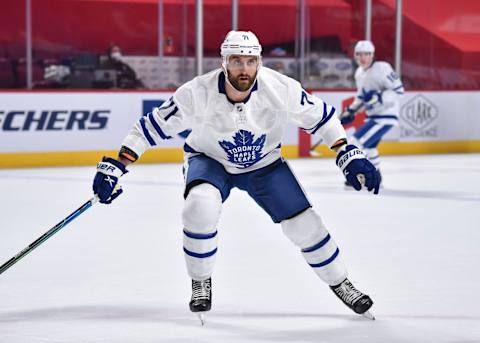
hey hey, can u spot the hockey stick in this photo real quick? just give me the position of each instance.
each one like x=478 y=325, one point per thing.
x=313 y=152
x=320 y=141
x=48 y=234
x=355 y=110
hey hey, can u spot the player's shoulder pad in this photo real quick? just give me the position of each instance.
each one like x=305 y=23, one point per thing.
x=383 y=66
x=204 y=80
x=200 y=85
x=184 y=92
x=274 y=79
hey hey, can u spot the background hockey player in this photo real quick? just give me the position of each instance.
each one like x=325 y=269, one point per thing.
x=378 y=92
x=237 y=115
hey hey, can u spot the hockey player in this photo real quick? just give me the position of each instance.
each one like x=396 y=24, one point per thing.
x=237 y=115
x=378 y=92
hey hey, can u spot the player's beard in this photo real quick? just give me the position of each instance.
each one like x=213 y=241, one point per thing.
x=238 y=82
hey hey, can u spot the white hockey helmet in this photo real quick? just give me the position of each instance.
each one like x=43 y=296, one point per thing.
x=364 y=46
x=240 y=43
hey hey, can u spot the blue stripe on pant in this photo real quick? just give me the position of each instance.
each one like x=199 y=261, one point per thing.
x=324 y=259
x=197 y=255
x=322 y=253
x=370 y=134
x=327 y=261
x=200 y=252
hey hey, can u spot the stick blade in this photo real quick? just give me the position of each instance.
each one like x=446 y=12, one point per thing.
x=368 y=315
x=201 y=317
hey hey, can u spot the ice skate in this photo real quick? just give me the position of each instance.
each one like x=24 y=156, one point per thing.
x=201 y=301
x=357 y=301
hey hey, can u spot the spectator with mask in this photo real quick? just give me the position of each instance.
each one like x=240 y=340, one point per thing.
x=126 y=76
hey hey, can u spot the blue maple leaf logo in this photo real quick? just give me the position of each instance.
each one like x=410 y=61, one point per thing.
x=244 y=151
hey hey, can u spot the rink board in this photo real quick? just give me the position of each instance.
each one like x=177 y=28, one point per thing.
x=77 y=128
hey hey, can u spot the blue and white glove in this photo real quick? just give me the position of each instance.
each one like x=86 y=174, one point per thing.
x=106 y=179
x=371 y=98
x=347 y=116
x=357 y=169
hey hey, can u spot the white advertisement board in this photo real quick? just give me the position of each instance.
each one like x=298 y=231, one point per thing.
x=429 y=116
x=83 y=121
x=78 y=121
x=33 y=122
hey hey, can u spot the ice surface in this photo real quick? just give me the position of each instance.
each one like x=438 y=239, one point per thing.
x=117 y=274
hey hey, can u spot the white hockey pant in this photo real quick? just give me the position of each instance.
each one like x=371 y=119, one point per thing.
x=200 y=216
x=308 y=232
x=369 y=139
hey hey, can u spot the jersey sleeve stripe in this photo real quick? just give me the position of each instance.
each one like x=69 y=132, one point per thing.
x=323 y=121
x=146 y=133
x=157 y=127
x=168 y=103
x=171 y=113
x=397 y=88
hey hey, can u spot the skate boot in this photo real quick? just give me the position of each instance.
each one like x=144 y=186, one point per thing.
x=201 y=297
x=357 y=301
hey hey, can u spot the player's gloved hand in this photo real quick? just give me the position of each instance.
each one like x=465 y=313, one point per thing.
x=366 y=96
x=106 y=179
x=374 y=100
x=347 y=116
x=357 y=169
x=371 y=98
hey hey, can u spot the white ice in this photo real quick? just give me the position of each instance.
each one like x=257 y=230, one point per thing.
x=117 y=274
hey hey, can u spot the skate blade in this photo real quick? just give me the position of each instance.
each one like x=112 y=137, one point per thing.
x=368 y=315
x=202 y=318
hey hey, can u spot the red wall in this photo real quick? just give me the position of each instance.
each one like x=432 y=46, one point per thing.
x=69 y=26
x=438 y=35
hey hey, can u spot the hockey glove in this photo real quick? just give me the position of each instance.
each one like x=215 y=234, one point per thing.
x=347 y=116
x=357 y=169
x=106 y=179
x=374 y=101
x=371 y=98
x=366 y=96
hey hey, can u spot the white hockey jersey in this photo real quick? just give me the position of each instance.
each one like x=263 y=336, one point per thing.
x=242 y=136
x=380 y=77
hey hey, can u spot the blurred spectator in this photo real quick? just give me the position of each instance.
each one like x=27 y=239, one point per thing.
x=125 y=75
x=57 y=76
x=85 y=71
x=278 y=51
